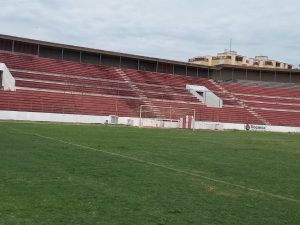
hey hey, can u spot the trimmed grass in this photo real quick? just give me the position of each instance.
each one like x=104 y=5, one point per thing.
x=128 y=176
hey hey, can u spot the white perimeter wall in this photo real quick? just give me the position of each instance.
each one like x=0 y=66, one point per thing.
x=70 y=118
x=51 y=117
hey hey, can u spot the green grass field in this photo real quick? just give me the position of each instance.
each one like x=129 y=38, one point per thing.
x=90 y=174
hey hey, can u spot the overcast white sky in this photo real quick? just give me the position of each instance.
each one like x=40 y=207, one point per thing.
x=171 y=29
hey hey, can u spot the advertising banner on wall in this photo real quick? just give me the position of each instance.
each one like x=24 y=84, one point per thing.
x=252 y=127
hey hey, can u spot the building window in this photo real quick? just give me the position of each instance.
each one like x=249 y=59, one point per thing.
x=239 y=59
x=268 y=63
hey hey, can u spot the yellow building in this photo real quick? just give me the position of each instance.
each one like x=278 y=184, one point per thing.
x=233 y=58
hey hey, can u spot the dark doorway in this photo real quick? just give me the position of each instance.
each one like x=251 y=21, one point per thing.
x=1 y=76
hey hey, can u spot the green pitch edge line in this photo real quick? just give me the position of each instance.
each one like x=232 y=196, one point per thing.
x=162 y=166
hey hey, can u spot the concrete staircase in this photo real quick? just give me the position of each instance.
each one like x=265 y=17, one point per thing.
x=241 y=103
x=146 y=101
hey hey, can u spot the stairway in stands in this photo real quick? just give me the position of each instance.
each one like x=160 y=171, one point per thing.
x=241 y=103
x=147 y=102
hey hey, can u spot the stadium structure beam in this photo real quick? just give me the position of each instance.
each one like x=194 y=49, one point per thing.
x=13 y=46
x=38 y=51
x=80 y=56
x=208 y=73
x=260 y=75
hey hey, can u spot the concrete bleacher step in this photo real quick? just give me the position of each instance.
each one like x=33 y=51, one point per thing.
x=140 y=93
x=242 y=103
x=262 y=119
x=271 y=84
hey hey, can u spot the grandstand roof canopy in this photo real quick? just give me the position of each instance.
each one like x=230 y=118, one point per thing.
x=173 y=63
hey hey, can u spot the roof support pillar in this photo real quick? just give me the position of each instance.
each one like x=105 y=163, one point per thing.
x=13 y=46
x=260 y=75
x=208 y=75
x=38 y=51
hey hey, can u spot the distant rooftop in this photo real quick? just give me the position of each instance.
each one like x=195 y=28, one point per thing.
x=235 y=59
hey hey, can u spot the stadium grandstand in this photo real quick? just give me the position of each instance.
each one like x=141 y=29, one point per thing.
x=42 y=81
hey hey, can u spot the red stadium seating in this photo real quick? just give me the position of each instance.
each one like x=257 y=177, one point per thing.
x=56 y=86
x=278 y=104
x=52 y=102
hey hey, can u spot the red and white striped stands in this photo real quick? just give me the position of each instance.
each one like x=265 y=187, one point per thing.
x=55 y=86
x=34 y=63
x=279 y=104
x=67 y=103
x=281 y=118
x=46 y=85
